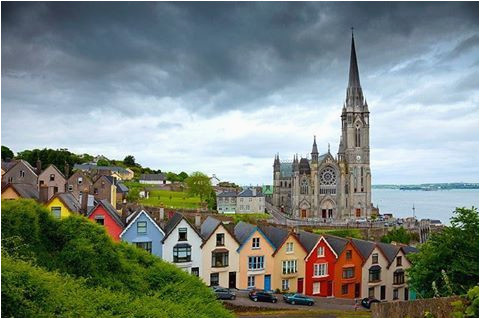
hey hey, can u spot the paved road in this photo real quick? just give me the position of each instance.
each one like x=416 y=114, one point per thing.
x=320 y=303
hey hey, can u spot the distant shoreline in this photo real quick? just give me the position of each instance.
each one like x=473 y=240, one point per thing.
x=428 y=187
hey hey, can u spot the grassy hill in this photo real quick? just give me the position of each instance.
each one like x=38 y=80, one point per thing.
x=71 y=268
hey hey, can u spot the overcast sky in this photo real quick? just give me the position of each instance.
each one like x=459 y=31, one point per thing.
x=222 y=87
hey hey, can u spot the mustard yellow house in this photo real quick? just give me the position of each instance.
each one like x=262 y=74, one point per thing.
x=63 y=205
x=17 y=191
x=288 y=258
x=256 y=264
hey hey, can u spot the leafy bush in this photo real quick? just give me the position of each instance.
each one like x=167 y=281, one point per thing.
x=398 y=235
x=75 y=247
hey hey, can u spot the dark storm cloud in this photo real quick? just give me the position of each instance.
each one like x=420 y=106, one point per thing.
x=136 y=64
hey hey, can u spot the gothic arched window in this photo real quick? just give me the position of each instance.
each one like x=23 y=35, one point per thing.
x=304 y=187
x=357 y=136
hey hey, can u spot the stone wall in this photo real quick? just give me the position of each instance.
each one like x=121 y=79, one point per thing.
x=438 y=307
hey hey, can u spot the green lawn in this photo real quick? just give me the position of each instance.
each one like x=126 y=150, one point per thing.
x=340 y=232
x=171 y=199
x=249 y=218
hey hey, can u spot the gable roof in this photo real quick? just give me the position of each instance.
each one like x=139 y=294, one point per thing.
x=308 y=240
x=143 y=212
x=55 y=168
x=227 y=194
x=7 y=165
x=245 y=231
x=121 y=188
x=389 y=250
x=364 y=247
x=110 y=179
x=322 y=238
x=88 y=167
x=23 y=190
x=110 y=210
x=248 y=192
x=174 y=221
x=286 y=169
x=152 y=177
x=68 y=200
x=277 y=235
x=26 y=164
x=337 y=243
x=210 y=225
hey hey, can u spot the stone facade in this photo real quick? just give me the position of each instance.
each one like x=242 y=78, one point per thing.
x=328 y=187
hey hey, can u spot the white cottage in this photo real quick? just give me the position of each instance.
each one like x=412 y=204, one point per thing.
x=182 y=245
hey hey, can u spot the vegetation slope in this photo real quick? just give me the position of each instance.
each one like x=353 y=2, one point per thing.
x=71 y=268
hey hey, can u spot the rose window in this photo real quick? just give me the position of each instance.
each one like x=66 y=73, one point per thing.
x=327 y=177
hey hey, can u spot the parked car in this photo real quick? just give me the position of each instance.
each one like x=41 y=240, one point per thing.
x=262 y=295
x=367 y=302
x=298 y=299
x=361 y=220
x=224 y=293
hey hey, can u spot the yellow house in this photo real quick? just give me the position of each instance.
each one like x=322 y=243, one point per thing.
x=256 y=265
x=16 y=191
x=219 y=254
x=288 y=259
x=63 y=205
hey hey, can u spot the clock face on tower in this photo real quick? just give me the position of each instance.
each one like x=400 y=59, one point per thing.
x=359 y=158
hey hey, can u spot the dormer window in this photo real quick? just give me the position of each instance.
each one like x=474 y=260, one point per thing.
x=289 y=247
x=221 y=239
x=22 y=173
x=52 y=177
x=321 y=252
x=374 y=258
x=256 y=242
x=80 y=180
x=142 y=227
x=399 y=260
x=182 y=234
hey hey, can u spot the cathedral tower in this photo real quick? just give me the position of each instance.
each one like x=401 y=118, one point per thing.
x=354 y=148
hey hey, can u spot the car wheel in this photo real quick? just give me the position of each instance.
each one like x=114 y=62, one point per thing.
x=255 y=299
x=310 y=304
x=274 y=301
x=293 y=302
x=232 y=297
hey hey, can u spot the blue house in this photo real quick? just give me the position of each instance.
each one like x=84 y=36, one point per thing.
x=144 y=232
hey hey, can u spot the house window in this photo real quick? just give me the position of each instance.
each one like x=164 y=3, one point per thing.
x=348 y=254
x=42 y=182
x=22 y=173
x=289 y=266
x=145 y=246
x=374 y=274
x=10 y=179
x=398 y=277
x=374 y=258
x=56 y=211
x=182 y=234
x=285 y=284
x=255 y=263
x=316 y=288
x=256 y=243
x=399 y=261
x=80 y=180
x=95 y=191
x=141 y=227
x=345 y=289
x=214 y=279
x=220 y=259
x=250 y=199
x=321 y=252
x=251 y=281
x=220 y=239
x=348 y=273
x=289 y=248
x=100 y=219
x=52 y=177
x=196 y=271
x=395 y=294
x=182 y=253
x=241 y=200
x=70 y=188
x=371 y=292
x=320 y=270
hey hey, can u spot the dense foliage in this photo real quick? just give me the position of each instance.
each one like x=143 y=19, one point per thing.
x=398 y=235
x=198 y=184
x=74 y=269
x=6 y=153
x=468 y=306
x=49 y=156
x=447 y=264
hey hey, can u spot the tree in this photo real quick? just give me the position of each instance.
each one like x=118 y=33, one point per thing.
x=129 y=160
x=448 y=262
x=398 y=235
x=172 y=177
x=198 y=184
x=6 y=153
x=182 y=176
x=103 y=162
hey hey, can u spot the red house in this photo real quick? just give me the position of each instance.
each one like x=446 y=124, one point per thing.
x=320 y=262
x=105 y=214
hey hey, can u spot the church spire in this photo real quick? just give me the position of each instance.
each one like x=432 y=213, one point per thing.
x=354 y=78
x=314 y=150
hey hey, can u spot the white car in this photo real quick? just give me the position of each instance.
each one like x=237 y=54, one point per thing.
x=361 y=220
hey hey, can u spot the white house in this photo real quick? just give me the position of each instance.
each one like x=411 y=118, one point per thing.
x=214 y=180
x=153 y=179
x=182 y=245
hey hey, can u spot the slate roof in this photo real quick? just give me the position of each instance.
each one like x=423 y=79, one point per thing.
x=110 y=210
x=409 y=250
x=242 y=231
x=70 y=201
x=276 y=235
x=172 y=223
x=227 y=194
x=7 y=165
x=152 y=177
x=121 y=188
x=364 y=247
x=248 y=192
x=208 y=227
x=24 y=190
x=337 y=243
x=286 y=169
x=389 y=250
x=55 y=168
x=92 y=166
x=308 y=240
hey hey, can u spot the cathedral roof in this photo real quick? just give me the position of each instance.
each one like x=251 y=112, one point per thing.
x=354 y=78
x=304 y=166
x=286 y=169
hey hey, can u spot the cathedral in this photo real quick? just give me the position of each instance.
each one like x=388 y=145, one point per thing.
x=331 y=187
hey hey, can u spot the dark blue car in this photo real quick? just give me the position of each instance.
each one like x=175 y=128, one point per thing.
x=298 y=299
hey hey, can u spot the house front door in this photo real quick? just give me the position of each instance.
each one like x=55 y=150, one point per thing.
x=330 y=288
x=300 y=285
x=267 y=282
x=357 y=290
x=232 y=280
x=304 y=213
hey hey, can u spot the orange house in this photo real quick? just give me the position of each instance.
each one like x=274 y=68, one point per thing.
x=348 y=273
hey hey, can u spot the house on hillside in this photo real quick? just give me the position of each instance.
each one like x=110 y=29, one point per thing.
x=250 y=201
x=63 y=205
x=52 y=180
x=182 y=245
x=219 y=254
x=144 y=232
x=256 y=265
x=104 y=188
x=80 y=182
x=106 y=215
x=348 y=273
x=158 y=179
x=17 y=191
x=122 y=191
x=227 y=202
x=22 y=173
x=117 y=171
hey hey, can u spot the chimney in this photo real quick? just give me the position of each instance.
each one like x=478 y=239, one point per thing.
x=198 y=220
x=43 y=194
x=67 y=170
x=254 y=191
x=162 y=213
x=39 y=166
x=84 y=201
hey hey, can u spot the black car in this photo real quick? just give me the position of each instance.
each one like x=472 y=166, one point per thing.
x=262 y=295
x=367 y=302
x=224 y=293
